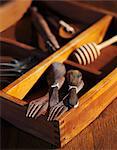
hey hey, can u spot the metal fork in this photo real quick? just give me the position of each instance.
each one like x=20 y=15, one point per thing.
x=64 y=105
x=57 y=110
x=55 y=78
x=39 y=106
x=14 y=67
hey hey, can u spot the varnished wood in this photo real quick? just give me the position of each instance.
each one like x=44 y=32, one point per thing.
x=16 y=43
x=13 y=99
x=100 y=134
x=22 y=85
x=11 y=12
x=74 y=64
x=15 y=114
x=91 y=105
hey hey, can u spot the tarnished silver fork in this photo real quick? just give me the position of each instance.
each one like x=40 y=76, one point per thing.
x=75 y=82
x=39 y=106
x=10 y=66
x=55 y=78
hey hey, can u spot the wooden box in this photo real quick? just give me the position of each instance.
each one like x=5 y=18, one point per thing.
x=99 y=91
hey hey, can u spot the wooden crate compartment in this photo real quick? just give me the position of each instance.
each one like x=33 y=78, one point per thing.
x=99 y=90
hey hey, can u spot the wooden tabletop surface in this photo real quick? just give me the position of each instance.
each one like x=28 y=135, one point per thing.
x=101 y=134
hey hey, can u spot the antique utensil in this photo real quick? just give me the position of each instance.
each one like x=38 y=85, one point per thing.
x=41 y=104
x=56 y=72
x=67 y=27
x=43 y=28
x=65 y=30
x=74 y=79
x=38 y=106
x=10 y=66
x=90 y=51
x=57 y=110
x=55 y=78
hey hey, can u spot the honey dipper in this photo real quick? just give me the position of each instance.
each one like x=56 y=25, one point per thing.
x=90 y=51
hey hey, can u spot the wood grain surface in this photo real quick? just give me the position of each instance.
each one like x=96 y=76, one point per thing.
x=99 y=135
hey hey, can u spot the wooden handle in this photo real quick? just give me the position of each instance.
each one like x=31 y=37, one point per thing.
x=20 y=87
x=108 y=42
x=38 y=19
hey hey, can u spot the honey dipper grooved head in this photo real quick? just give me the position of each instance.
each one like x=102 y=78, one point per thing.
x=86 y=53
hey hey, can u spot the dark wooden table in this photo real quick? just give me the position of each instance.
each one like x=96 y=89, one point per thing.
x=101 y=134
